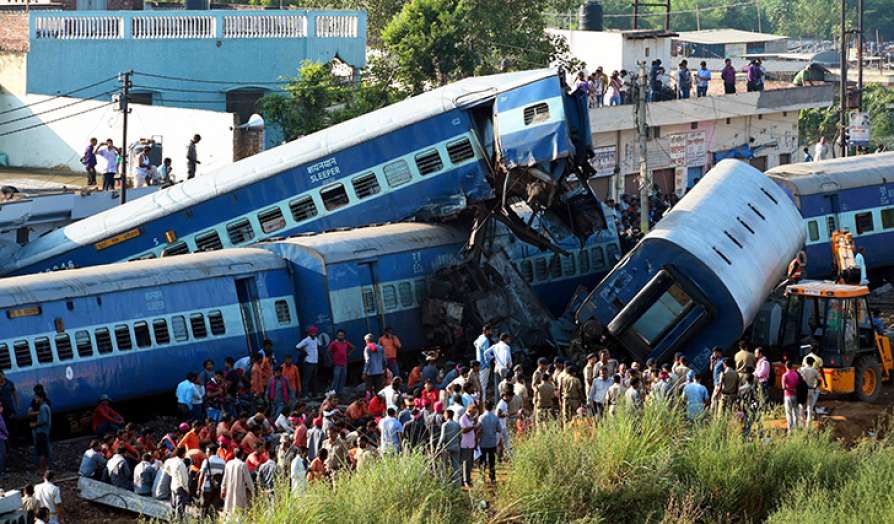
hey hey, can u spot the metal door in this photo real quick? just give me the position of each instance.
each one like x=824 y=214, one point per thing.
x=249 y=306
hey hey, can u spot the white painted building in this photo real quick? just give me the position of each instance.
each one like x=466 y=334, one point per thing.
x=617 y=50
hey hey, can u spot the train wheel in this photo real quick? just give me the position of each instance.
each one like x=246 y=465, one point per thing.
x=868 y=379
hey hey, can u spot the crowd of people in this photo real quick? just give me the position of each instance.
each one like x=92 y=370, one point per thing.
x=625 y=213
x=106 y=159
x=254 y=423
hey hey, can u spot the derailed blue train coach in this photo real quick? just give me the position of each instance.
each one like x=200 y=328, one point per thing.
x=697 y=280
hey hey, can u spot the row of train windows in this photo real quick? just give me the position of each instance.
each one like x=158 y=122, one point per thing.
x=180 y=328
x=548 y=268
x=333 y=196
x=863 y=223
x=394 y=296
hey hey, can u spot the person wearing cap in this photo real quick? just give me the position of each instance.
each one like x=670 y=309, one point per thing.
x=590 y=370
x=502 y=356
x=373 y=363
x=745 y=360
x=598 y=390
x=572 y=394
x=542 y=367
x=105 y=418
x=482 y=345
x=390 y=343
x=544 y=398
x=309 y=347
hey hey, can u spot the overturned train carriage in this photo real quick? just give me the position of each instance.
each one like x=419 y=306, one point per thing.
x=699 y=277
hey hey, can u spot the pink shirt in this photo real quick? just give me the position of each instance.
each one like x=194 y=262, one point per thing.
x=468 y=439
x=339 y=351
x=762 y=370
x=790 y=383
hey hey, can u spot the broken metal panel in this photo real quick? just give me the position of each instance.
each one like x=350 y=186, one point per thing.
x=102 y=493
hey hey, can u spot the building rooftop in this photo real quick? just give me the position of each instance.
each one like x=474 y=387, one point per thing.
x=726 y=36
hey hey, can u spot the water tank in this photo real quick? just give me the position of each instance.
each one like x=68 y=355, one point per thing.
x=589 y=16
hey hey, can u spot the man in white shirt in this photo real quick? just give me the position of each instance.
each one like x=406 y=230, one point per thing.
x=482 y=344
x=389 y=431
x=49 y=496
x=176 y=469
x=821 y=151
x=310 y=346
x=860 y=261
x=298 y=472
x=597 y=392
x=502 y=356
x=107 y=162
x=813 y=378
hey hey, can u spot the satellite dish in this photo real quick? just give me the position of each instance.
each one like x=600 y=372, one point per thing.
x=255 y=121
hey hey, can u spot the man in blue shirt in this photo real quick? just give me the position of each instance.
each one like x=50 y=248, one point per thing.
x=489 y=429
x=373 y=364
x=482 y=344
x=40 y=432
x=185 y=393
x=696 y=397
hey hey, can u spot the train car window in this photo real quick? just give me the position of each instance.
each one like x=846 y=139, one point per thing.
x=429 y=162
x=147 y=256
x=397 y=173
x=369 y=300
x=122 y=337
x=405 y=293
x=216 y=320
x=179 y=248
x=541 y=269
x=421 y=289
x=568 y=265
x=271 y=220
x=334 y=197
x=141 y=333
x=84 y=344
x=103 y=341
x=22 y=350
x=63 y=347
x=197 y=323
x=283 y=315
x=389 y=297
x=831 y=225
x=43 y=350
x=5 y=360
x=240 y=231
x=160 y=328
x=864 y=222
x=303 y=208
x=527 y=270
x=813 y=231
x=555 y=267
x=209 y=241
x=536 y=113
x=583 y=260
x=460 y=150
x=598 y=257
x=366 y=185
x=662 y=314
x=888 y=218
x=178 y=325
x=613 y=253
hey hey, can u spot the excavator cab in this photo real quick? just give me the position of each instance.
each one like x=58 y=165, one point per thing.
x=835 y=319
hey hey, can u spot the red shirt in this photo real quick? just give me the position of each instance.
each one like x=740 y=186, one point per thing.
x=790 y=383
x=339 y=350
x=301 y=436
x=376 y=406
x=105 y=413
x=255 y=460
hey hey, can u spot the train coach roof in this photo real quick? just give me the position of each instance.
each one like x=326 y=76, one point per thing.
x=60 y=285
x=826 y=176
x=312 y=147
x=374 y=241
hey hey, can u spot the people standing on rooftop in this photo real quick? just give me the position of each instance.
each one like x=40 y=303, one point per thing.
x=728 y=75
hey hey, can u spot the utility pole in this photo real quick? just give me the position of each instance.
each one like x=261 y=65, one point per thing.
x=126 y=84
x=757 y=5
x=842 y=88
x=859 y=55
x=698 y=18
x=645 y=181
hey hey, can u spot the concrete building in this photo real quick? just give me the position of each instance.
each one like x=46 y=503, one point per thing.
x=687 y=137
x=722 y=43
x=617 y=50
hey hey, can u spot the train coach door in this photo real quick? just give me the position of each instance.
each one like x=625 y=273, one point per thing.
x=371 y=296
x=247 y=293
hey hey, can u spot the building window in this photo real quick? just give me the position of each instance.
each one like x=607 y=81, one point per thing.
x=122 y=337
x=197 y=323
x=365 y=185
x=888 y=218
x=43 y=351
x=5 y=360
x=302 y=208
x=240 y=231
x=429 y=162
x=141 y=333
x=216 y=320
x=460 y=150
x=785 y=158
x=283 y=315
x=103 y=341
x=864 y=222
x=84 y=344
x=63 y=347
x=22 y=350
x=397 y=173
x=271 y=220
x=536 y=113
x=813 y=231
x=160 y=328
x=654 y=132
x=334 y=197
x=209 y=241
x=693 y=125
x=178 y=324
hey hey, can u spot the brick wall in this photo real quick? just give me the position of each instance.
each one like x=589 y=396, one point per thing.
x=14 y=32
